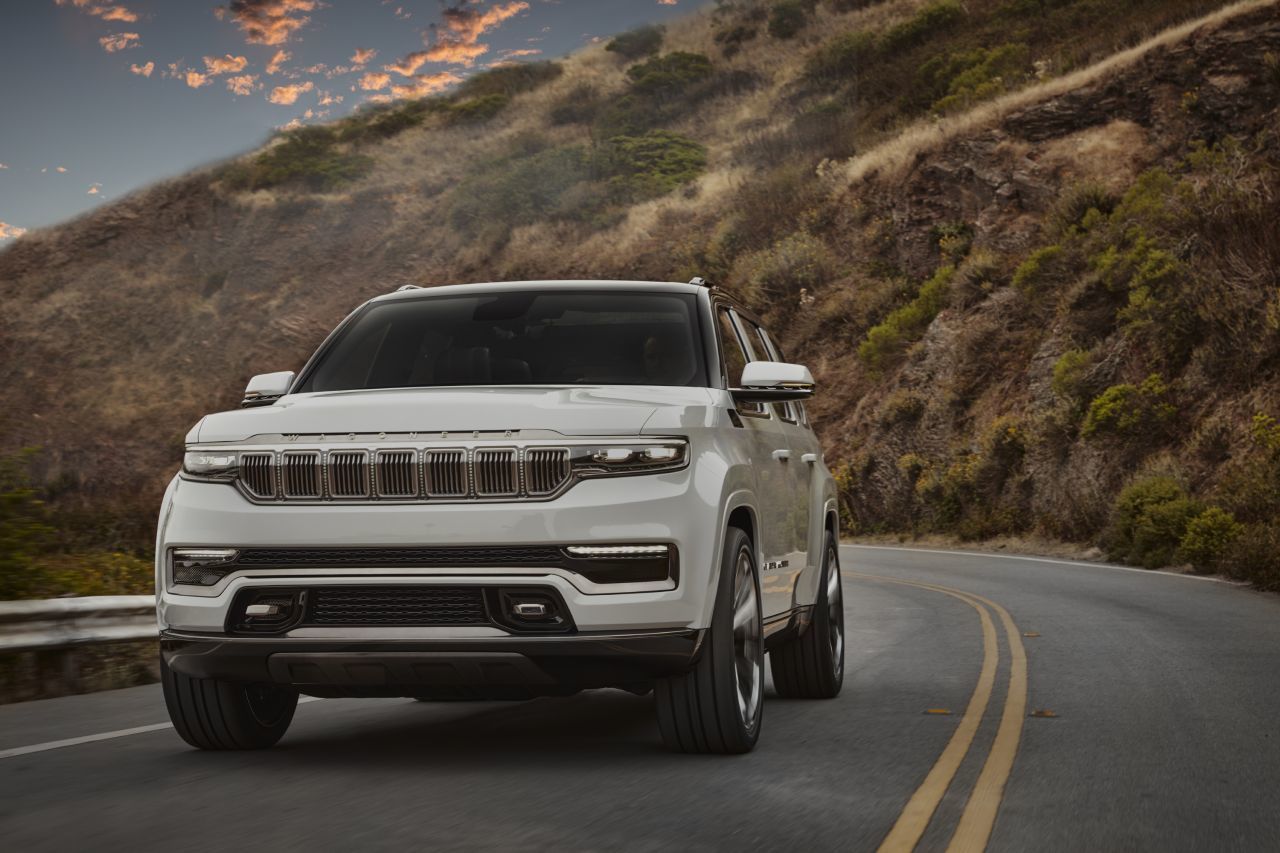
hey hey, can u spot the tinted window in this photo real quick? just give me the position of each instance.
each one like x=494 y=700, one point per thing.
x=517 y=338
x=735 y=358
x=766 y=351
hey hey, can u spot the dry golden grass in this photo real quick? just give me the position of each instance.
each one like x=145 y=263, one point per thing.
x=894 y=157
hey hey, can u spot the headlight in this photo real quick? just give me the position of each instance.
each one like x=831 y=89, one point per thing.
x=202 y=566
x=211 y=464
x=606 y=460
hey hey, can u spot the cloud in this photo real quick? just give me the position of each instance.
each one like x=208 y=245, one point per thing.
x=195 y=79
x=226 y=64
x=61 y=170
x=243 y=84
x=10 y=232
x=327 y=98
x=113 y=13
x=409 y=66
x=524 y=51
x=268 y=21
x=372 y=81
x=458 y=36
x=425 y=84
x=143 y=70
x=278 y=60
x=94 y=189
x=289 y=94
x=361 y=57
x=119 y=41
x=3 y=166
x=668 y=2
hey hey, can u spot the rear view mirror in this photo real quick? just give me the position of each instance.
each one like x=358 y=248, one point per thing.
x=773 y=382
x=265 y=388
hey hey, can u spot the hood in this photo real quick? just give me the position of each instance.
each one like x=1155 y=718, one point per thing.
x=576 y=410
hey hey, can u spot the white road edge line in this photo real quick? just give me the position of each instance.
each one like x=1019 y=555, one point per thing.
x=77 y=741
x=1078 y=563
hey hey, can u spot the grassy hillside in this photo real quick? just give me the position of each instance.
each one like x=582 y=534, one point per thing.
x=1029 y=247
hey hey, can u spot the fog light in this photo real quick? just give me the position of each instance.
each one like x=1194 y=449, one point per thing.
x=202 y=566
x=267 y=611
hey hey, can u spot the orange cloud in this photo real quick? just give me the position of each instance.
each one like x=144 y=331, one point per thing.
x=458 y=37
x=668 y=2
x=279 y=59
x=372 y=81
x=289 y=94
x=243 y=84
x=119 y=41
x=362 y=56
x=425 y=84
x=268 y=21
x=327 y=98
x=113 y=13
x=143 y=70
x=409 y=66
x=94 y=189
x=526 y=51
x=195 y=79
x=10 y=232
x=227 y=64
x=61 y=170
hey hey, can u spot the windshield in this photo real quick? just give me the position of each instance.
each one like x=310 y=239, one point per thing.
x=517 y=338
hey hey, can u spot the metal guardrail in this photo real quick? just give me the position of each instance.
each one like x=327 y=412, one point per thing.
x=63 y=623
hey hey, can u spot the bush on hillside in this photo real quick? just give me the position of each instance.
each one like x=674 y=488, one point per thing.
x=1045 y=270
x=509 y=80
x=788 y=17
x=1070 y=375
x=1149 y=521
x=638 y=43
x=797 y=262
x=670 y=75
x=887 y=341
x=477 y=110
x=1208 y=538
x=643 y=167
x=732 y=39
x=25 y=532
x=1130 y=411
x=960 y=80
x=929 y=21
x=841 y=57
x=1254 y=556
x=310 y=156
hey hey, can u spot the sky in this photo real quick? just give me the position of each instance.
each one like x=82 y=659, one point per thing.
x=99 y=98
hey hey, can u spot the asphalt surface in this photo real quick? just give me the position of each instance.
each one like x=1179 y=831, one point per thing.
x=1150 y=723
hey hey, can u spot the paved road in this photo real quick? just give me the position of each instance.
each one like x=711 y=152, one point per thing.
x=1164 y=693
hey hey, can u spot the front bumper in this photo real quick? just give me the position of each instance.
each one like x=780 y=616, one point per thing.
x=373 y=663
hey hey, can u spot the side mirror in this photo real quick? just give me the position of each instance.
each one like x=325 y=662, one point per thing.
x=265 y=388
x=773 y=382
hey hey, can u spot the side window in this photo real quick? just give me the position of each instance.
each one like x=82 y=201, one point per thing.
x=735 y=358
x=768 y=352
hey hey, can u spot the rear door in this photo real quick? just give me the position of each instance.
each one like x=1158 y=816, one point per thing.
x=771 y=467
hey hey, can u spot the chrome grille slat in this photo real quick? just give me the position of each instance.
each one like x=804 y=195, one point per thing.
x=546 y=469
x=348 y=473
x=258 y=473
x=446 y=473
x=496 y=472
x=396 y=473
x=300 y=474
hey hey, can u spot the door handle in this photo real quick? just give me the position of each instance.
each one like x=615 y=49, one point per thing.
x=809 y=458
x=782 y=454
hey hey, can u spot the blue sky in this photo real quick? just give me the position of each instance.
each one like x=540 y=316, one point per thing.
x=100 y=97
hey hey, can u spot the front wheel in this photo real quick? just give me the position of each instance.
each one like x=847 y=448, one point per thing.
x=811 y=666
x=213 y=714
x=717 y=706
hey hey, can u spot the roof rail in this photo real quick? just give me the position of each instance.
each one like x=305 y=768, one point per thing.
x=405 y=287
x=699 y=281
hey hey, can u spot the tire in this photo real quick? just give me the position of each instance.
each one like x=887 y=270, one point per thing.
x=718 y=705
x=212 y=714
x=811 y=666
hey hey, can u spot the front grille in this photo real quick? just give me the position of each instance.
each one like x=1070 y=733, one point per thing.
x=359 y=474
x=496 y=472
x=300 y=475
x=406 y=606
x=381 y=558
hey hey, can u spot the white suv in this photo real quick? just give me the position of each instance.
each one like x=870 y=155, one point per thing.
x=501 y=491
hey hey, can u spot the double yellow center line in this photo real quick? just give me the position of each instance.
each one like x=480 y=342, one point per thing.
x=974 y=828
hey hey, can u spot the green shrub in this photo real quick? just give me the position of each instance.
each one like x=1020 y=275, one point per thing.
x=670 y=75
x=886 y=341
x=637 y=43
x=580 y=105
x=311 y=156
x=506 y=192
x=732 y=39
x=788 y=17
x=797 y=261
x=1265 y=431
x=1070 y=372
x=1208 y=538
x=643 y=167
x=1080 y=207
x=476 y=110
x=1045 y=269
x=841 y=57
x=1254 y=555
x=1130 y=410
x=963 y=79
x=902 y=408
x=929 y=21
x=508 y=80
x=24 y=529
x=1148 y=522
